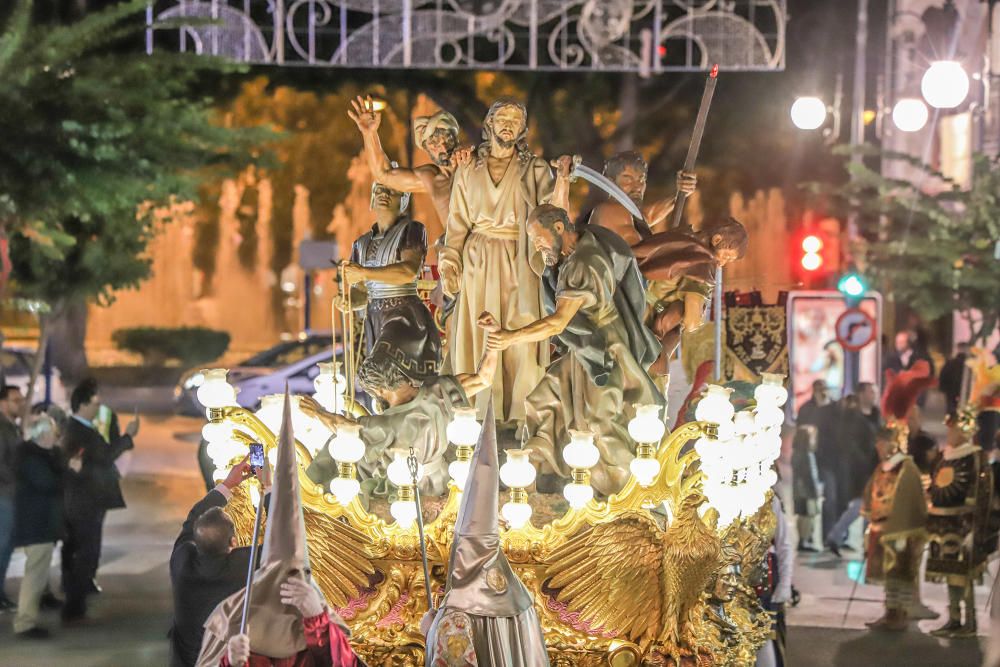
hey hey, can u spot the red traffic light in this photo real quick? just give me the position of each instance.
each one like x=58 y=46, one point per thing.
x=811 y=261
x=812 y=244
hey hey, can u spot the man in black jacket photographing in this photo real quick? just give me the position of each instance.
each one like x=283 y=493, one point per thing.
x=206 y=567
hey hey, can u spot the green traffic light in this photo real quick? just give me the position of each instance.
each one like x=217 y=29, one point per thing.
x=851 y=284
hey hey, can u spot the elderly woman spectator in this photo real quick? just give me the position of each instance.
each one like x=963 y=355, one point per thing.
x=38 y=503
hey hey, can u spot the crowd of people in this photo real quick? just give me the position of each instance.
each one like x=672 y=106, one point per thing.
x=915 y=494
x=58 y=479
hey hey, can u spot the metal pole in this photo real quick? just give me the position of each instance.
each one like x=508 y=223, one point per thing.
x=307 y=302
x=852 y=359
x=858 y=99
x=411 y=463
x=252 y=567
x=719 y=322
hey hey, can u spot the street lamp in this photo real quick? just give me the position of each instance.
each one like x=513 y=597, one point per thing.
x=910 y=114
x=808 y=113
x=945 y=84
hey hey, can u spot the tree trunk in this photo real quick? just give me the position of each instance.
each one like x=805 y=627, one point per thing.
x=44 y=335
x=628 y=104
x=68 y=334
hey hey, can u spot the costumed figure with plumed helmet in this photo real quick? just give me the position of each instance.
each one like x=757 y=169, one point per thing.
x=960 y=539
x=894 y=503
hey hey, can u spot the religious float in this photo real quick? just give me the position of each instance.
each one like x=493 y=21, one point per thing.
x=661 y=573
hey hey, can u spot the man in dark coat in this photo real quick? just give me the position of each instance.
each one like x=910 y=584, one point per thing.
x=205 y=566
x=38 y=518
x=952 y=374
x=11 y=401
x=90 y=493
x=856 y=460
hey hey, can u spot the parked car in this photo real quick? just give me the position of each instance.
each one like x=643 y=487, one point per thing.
x=16 y=364
x=264 y=373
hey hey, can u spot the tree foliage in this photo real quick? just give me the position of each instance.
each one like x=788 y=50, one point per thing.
x=932 y=250
x=95 y=137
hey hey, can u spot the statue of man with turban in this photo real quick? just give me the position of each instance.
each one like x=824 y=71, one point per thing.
x=437 y=135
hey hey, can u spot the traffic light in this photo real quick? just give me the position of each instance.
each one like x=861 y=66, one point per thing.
x=811 y=260
x=851 y=285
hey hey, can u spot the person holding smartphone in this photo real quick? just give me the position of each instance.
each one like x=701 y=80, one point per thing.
x=92 y=488
x=206 y=566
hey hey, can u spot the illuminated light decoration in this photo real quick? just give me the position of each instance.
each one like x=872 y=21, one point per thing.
x=517 y=474
x=808 y=113
x=330 y=386
x=715 y=407
x=580 y=455
x=910 y=114
x=270 y=411
x=463 y=432
x=771 y=390
x=215 y=391
x=403 y=509
x=945 y=84
x=647 y=426
x=347 y=446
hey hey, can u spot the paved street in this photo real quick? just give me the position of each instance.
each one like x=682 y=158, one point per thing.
x=131 y=617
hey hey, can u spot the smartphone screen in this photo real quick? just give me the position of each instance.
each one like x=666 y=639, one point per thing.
x=256 y=455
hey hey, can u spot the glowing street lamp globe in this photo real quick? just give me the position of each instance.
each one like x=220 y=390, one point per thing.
x=808 y=113
x=945 y=84
x=910 y=114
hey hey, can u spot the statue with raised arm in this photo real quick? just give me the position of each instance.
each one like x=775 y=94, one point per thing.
x=595 y=300
x=437 y=135
x=628 y=170
x=382 y=272
x=486 y=261
x=417 y=413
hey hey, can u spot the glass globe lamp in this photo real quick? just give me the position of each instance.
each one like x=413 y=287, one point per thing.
x=345 y=489
x=459 y=473
x=215 y=391
x=404 y=511
x=216 y=431
x=714 y=407
x=464 y=430
x=517 y=514
x=330 y=386
x=771 y=390
x=578 y=494
x=398 y=471
x=347 y=446
x=644 y=466
x=517 y=474
x=580 y=452
x=270 y=411
x=647 y=426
